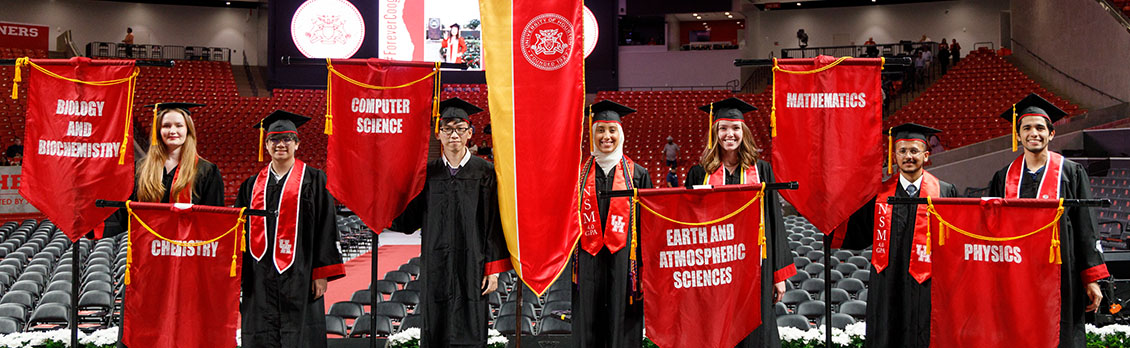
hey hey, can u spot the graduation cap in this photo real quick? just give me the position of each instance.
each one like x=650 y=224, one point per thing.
x=606 y=111
x=1031 y=105
x=158 y=107
x=457 y=109
x=277 y=122
x=907 y=131
x=730 y=109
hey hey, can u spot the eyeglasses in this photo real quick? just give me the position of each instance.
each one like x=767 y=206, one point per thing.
x=449 y=130
x=276 y=141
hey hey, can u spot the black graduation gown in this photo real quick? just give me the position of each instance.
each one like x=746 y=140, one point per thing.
x=462 y=241
x=1079 y=246
x=208 y=189
x=779 y=259
x=602 y=316
x=279 y=310
x=898 y=307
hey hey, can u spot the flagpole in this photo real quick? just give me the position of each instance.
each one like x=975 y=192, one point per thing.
x=790 y=185
x=769 y=62
x=373 y=293
x=827 y=291
x=73 y=322
x=1020 y=201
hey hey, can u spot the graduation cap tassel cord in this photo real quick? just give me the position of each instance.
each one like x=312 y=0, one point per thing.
x=890 y=151
x=261 y=141
x=1015 y=136
x=710 y=127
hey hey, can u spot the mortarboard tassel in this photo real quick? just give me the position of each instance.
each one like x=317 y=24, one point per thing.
x=261 y=141
x=890 y=151
x=710 y=127
x=436 y=90
x=153 y=131
x=592 y=142
x=1015 y=136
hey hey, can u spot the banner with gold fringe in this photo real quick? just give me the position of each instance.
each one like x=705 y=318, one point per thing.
x=378 y=118
x=182 y=275
x=702 y=253
x=996 y=272
x=78 y=135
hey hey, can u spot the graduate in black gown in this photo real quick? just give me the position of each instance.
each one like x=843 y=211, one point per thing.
x=158 y=170
x=898 y=304
x=1082 y=257
x=291 y=257
x=463 y=247
x=607 y=302
x=731 y=157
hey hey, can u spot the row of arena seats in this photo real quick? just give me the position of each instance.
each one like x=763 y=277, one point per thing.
x=1114 y=221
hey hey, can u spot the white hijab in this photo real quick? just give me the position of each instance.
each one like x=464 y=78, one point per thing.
x=608 y=161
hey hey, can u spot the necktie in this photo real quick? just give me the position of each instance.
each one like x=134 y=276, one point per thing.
x=911 y=190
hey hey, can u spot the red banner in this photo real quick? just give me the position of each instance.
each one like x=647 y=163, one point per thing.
x=827 y=115
x=21 y=35
x=535 y=69
x=78 y=131
x=183 y=277
x=996 y=273
x=702 y=259
x=381 y=119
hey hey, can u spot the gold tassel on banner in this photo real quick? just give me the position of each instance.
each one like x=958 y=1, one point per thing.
x=129 y=241
x=437 y=89
x=129 y=117
x=761 y=224
x=1055 y=250
x=239 y=239
x=16 y=79
x=773 y=105
x=329 y=93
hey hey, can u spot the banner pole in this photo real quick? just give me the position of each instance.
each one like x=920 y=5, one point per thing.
x=1066 y=202
x=769 y=62
x=158 y=63
x=827 y=292
x=373 y=293
x=73 y=322
x=102 y=203
x=520 y=287
x=790 y=185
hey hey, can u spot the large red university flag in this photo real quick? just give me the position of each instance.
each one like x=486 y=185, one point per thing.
x=182 y=275
x=996 y=272
x=378 y=117
x=78 y=132
x=827 y=114
x=534 y=67
x=702 y=253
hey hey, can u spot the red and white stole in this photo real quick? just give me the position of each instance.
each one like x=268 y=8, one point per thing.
x=185 y=195
x=286 y=221
x=881 y=244
x=749 y=175
x=1049 y=186
x=620 y=214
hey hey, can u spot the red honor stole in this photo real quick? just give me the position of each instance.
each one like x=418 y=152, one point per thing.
x=920 y=259
x=620 y=214
x=1049 y=188
x=185 y=195
x=286 y=221
x=749 y=176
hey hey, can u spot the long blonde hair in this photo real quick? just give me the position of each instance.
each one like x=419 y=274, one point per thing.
x=747 y=150
x=152 y=167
